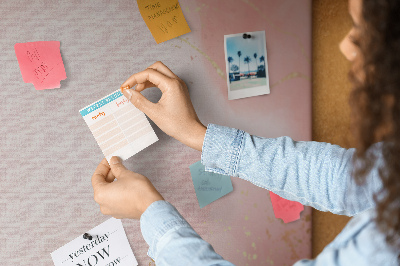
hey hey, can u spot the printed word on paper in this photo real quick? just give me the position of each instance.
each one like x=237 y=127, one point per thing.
x=108 y=246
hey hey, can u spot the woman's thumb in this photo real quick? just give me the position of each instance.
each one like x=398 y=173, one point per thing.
x=116 y=166
x=138 y=100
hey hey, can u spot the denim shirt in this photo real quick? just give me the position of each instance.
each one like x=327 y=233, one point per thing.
x=313 y=173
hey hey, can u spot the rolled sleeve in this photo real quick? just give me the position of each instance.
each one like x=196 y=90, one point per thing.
x=222 y=147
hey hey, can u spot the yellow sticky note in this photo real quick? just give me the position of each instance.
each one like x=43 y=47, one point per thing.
x=164 y=18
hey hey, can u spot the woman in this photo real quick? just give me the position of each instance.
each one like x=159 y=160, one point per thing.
x=320 y=175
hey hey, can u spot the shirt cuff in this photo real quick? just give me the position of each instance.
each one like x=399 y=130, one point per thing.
x=158 y=219
x=222 y=148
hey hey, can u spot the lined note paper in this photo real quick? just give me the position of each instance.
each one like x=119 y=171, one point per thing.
x=164 y=18
x=41 y=63
x=118 y=126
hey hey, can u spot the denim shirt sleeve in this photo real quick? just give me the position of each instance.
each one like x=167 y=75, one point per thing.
x=313 y=173
x=172 y=241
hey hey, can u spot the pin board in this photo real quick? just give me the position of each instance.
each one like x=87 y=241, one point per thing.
x=49 y=155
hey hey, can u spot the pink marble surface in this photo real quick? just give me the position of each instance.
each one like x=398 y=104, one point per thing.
x=48 y=154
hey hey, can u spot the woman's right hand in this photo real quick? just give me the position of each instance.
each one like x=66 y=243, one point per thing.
x=173 y=113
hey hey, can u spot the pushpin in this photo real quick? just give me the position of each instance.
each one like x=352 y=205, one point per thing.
x=87 y=236
x=246 y=36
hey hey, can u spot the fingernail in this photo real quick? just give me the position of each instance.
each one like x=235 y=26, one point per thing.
x=124 y=88
x=129 y=92
x=115 y=160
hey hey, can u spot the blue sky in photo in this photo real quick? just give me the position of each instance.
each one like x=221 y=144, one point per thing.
x=248 y=47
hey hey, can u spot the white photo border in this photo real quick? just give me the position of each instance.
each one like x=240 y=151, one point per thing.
x=248 y=92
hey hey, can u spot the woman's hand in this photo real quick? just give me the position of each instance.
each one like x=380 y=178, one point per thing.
x=174 y=113
x=127 y=197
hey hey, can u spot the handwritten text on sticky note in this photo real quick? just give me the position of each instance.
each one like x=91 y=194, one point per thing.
x=164 y=18
x=41 y=63
x=284 y=209
x=209 y=186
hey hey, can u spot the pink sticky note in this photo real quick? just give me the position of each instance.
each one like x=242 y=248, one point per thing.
x=287 y=210
x=41 y=63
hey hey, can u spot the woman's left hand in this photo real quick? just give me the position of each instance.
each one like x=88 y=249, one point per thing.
x=127 y=197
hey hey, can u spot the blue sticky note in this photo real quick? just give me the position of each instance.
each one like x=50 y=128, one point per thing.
x=209 y=186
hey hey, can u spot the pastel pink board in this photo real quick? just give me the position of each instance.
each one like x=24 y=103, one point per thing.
x=41 y=63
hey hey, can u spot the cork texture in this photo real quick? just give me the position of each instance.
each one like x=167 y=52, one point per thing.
x=331 y=89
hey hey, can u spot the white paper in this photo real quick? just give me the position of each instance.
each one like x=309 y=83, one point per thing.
x=118 y=126
x=108 y=247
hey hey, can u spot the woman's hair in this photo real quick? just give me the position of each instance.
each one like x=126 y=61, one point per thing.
x=375 y=101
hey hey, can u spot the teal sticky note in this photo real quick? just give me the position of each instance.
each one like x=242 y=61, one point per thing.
x=209 y=186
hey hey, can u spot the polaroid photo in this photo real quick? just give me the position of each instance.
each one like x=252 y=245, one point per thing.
x=246 y=64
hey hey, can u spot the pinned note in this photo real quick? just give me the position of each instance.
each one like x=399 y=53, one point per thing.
x=41 y=63
x=284 y=209
x=118 y=126
x=209 y=186
x=108 y=246
x=164 y=18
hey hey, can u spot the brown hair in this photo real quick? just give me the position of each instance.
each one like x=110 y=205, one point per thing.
x=375 y=101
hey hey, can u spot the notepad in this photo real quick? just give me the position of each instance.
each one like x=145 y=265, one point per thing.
x=118 y=126
x=109 y=246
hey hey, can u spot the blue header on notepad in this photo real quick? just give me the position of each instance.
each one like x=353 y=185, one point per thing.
x=100 y=103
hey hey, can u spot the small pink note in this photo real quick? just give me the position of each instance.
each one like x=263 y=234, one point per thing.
x=41 y=63
x=287 y=210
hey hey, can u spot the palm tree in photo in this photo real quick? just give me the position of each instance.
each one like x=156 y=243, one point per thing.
x=262 y=59
x=239 y=54
x=255 y=58
x=234 y=68
x=230 y=60
x=247 y=60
